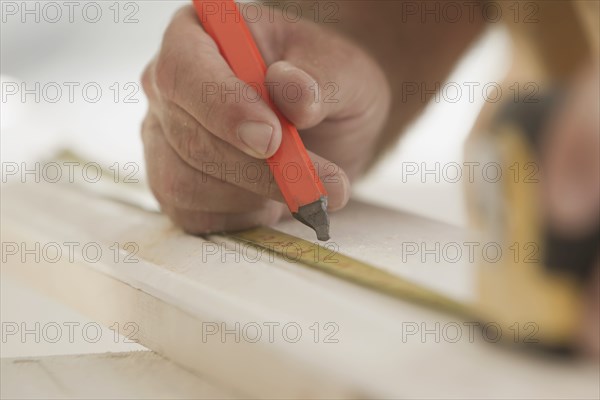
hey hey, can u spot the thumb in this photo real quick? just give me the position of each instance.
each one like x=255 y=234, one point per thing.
x=322 y=76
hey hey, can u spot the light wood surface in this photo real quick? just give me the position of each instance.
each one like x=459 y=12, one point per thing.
x=179 y=288
x=128 y=375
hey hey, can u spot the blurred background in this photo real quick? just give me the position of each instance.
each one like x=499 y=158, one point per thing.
x=77 y=74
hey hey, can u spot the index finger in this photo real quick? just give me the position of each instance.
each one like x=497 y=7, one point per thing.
x=192 y=73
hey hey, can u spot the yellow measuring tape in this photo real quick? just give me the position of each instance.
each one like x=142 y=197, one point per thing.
x=334 y=263
x=321 y=258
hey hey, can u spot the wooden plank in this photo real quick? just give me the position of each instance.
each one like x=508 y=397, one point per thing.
x=403 y=244
x=130 y=375
x=181 y=288
x=60 y=330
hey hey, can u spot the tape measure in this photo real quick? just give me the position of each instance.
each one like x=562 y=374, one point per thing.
x=333 y=262
x=543 y=286
x=509 y=293
x=311 y=255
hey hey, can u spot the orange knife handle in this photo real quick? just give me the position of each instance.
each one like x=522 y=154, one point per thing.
x=291 y=166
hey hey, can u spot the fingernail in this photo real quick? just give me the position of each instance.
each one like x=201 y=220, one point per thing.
x=256 y=135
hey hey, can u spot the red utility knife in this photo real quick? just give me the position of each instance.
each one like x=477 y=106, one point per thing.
x=291 y=166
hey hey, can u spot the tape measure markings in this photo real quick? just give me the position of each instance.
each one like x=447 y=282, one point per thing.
x=333 y=262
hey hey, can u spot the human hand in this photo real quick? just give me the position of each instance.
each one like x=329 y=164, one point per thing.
x=206 y=138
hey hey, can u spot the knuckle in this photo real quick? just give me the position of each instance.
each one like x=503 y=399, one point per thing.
x=166 y=64
x=190 y=139
x=145 y=131
x=165 y=71
x=146 y=79
x=216 y=95
x=197 y=147
x=208 y=104
x=150 y=127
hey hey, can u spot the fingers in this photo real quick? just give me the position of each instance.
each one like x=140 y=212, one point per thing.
x=201 y=203
x=197 y=202
x=203 y=152
x=176 y=183
x=206 y=136
x=323 y=77
x=296 y=94
x=333 y=92
x=191 y=72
